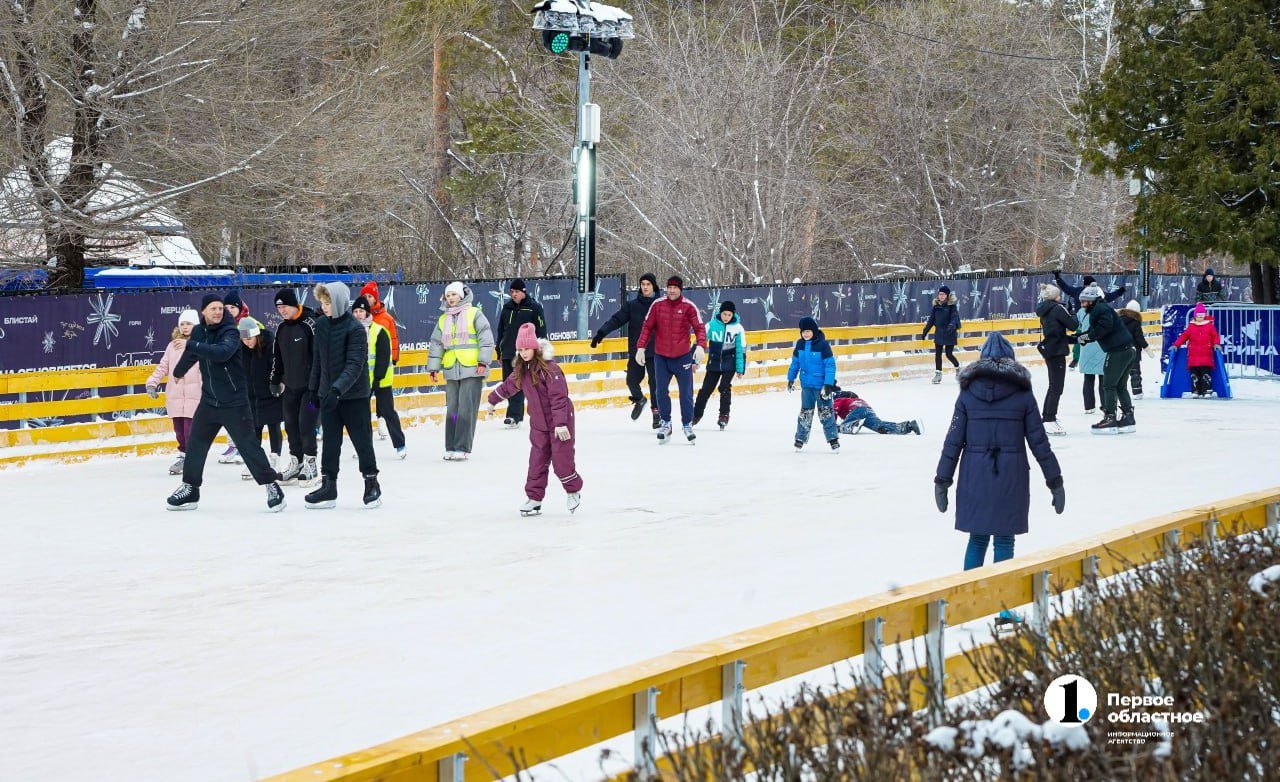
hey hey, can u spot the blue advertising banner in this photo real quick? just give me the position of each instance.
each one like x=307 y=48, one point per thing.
x=1250 y=334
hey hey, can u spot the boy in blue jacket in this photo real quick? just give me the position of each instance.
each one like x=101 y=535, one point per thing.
x=726 y=359
x=814 y=363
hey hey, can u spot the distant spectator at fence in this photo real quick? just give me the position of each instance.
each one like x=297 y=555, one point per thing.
x=1208 y=290
x=181 y=394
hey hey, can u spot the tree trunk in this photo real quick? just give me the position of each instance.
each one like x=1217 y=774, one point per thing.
x=1270 y=284
x=439 y=120
x=1255 y=282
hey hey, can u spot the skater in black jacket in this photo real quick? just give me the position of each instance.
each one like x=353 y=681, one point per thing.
x=517 y=311
x=632 y=315
x=1131 y=317
x=256 y=355
x=1056 y=327
x=290 y=374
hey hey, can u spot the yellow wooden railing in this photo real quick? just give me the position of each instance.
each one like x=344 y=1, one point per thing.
x=119 y=392
x=566 y=719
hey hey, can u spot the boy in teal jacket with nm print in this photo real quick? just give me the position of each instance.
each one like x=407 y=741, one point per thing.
x=726 y=359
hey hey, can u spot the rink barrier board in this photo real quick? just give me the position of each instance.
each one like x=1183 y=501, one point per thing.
x=576 y=716
x=871 y=352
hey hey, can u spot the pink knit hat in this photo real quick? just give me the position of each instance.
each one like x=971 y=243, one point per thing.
x=527 y=337
x=1200 y=309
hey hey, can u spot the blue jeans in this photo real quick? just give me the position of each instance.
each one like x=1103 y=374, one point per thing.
x=810 y=398
x=682 y=369
x=870 y=421
x=977 y=550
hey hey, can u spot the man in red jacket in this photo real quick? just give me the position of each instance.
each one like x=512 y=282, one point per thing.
x=382 y=318
x=670 y=322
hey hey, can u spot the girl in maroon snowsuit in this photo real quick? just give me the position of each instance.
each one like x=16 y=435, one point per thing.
x=551 y=429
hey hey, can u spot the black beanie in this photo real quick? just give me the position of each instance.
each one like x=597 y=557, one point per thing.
x=287 y=297
x=728 y=306
x=944 y=289
x=809 y=324
x=675 y=280
x=1208 y=272
x=361 y=303
x=517 y=284
x=210 y=298
x=232 y=299
x=1088 y=280
x=651 y=277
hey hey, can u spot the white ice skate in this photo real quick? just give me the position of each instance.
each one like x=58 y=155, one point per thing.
x=574 y=500
x=377 y=429
x=937 y=377
x=230 y=456
x=531 y=508
x=664 y=433
x=1055 y=427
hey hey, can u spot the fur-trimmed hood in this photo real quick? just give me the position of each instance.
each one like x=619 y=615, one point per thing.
x=990 y=379
x=951 y=299
x=1130 y=314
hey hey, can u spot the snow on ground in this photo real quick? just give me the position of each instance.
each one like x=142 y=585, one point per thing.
x=227 y=643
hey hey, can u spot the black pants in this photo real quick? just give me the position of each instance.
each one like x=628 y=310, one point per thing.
x=515 y=402
x=713 y=379
x=937 y=355
x=1115 y=381
x=1057 y=366
x=300 y=416
x=273 y=436
x=636 y=373
x=1090 y=401
x=1201 y=379
x=238 y=421
x=1135 y=374
x=352 y=415
x=385 y=404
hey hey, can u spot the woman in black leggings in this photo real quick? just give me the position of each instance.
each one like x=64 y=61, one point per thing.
x=944 y=320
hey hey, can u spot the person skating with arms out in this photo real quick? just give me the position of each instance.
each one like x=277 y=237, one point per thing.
x=726 y=359
x=670 y=323
x=224 y=403
x=855 y=413
x=813 y=363
x=632 y=315
x=552 y=433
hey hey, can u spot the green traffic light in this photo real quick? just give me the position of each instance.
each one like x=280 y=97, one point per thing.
x=559 y=43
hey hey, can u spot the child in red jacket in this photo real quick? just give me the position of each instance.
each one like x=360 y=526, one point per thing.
x=551 y=430
x=1201 y=339
x=854 y=413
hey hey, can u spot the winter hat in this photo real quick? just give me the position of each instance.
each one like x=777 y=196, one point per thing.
x=675 y=280
x=527 y=337
x=370 y=289
x=944 y=289
x=189 y=316
x=1199 y=310
x=1208 y=272
x=1091 y=293
x=456 y=287
x=1088 y=280
x=1048 y=292
x=287 y=297
x=517 y=284
x=232 y=299
x=997 y=346
x=249 y=328
x=210 y=298
x=361 y=303
x=1133 y=306
x=809 y=324
x=728 y=306
x=651 y=277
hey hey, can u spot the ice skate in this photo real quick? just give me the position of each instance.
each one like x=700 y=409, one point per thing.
x=835 y=444
x=461 y=456
x=176 y=467
x=851 y=427
x=324 y=497
x=310 y=473
x=1137 y=394
x=377 y=429
x=448 y=456
x=723 y=421
x=937 y=377
x=1107 y=425
x=402 y=453
x=289 y=475
x=372 y=492
x=245 y=475
x=230 y=456
x=664 y=433
x=913 y=427
x=657 y=419
x=275 y=498
x=689 y=435
x=531 y=508
x=1126 y=424
x=637 y=407
x=511 y=423
x=1055 y=427
x=573 y=501
x=187 y=497
x=799 y=444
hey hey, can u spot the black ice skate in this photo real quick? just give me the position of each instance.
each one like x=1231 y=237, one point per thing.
x=835 y=444
x=723 y=421
x=637 y=407
x=1127 y=424
x=372 y=492
x=324 y=497
x=1108 y=425
x=913 y=427
x=799 y=444
x=531 y=508
x=657 y=419
x=275 y=498
x=187 y=497
x=511 y=423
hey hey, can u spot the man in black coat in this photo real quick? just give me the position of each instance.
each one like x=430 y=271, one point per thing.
x=224 y=403
x=290 y=376
x=517 y=311
x=632 y=315
x=340 y=380
x=1208 y=290
x=1055 y=344
x=1106 y=328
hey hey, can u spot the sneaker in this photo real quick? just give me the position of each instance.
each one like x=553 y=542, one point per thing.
x=657 y=419
x=511 y=423
x=664 y=432
x=913 y=427
x=799 y=444
x=688 y=433
x=574 y=500
x=531 y=508
x=637 y=408
x=402 y=453
x=1106 y=426
x=937 y=377
x=1055 y=427
x=310 y=472
x=275 y=498
x=835 y=444
x=372 y=492
x=176 y=467
x=289 y=474
x=1127 y=424
x=230 y=456
x=187 y=497
x=324 y=497
x=723 y=421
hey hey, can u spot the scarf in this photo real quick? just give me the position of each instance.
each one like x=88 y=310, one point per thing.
x=451 y=336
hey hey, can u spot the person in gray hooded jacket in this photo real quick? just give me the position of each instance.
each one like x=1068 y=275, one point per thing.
x=462 y=348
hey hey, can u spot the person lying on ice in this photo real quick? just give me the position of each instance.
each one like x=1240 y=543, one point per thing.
x=854 y=413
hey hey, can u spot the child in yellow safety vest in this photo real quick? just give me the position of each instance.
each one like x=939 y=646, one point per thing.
x=461 y=348
x=381 y=371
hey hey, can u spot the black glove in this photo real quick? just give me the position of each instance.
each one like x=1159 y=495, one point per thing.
x=595 y=340
x=1059 y=494
x=330 y=401
x=277 y=389
x=940 y=486
x=1122 y=289
x=828 y=391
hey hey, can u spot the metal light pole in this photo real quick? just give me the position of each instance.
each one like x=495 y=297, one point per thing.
x=585 y=188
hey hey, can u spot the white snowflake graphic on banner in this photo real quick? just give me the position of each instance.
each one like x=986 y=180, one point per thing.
x=816 y=309
x=501 y=295
x=975 y=295
x=47 y=342
x=424 y=293
x=791 y=294
x=713 y=303
x=151 y=337
x=595 y=300
x=103 y=319
x=900 y=297
x=767 y=303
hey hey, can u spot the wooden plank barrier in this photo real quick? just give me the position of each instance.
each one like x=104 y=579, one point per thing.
x=552 y=724
x=596 y=379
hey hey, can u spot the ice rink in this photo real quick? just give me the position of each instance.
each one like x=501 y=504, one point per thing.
x=227 y=643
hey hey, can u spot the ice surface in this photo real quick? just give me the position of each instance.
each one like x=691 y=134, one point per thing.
x=228 y=644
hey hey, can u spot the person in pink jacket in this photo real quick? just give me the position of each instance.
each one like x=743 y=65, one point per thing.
x=551 y=430
x=181 y=395
x=1201 y=339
